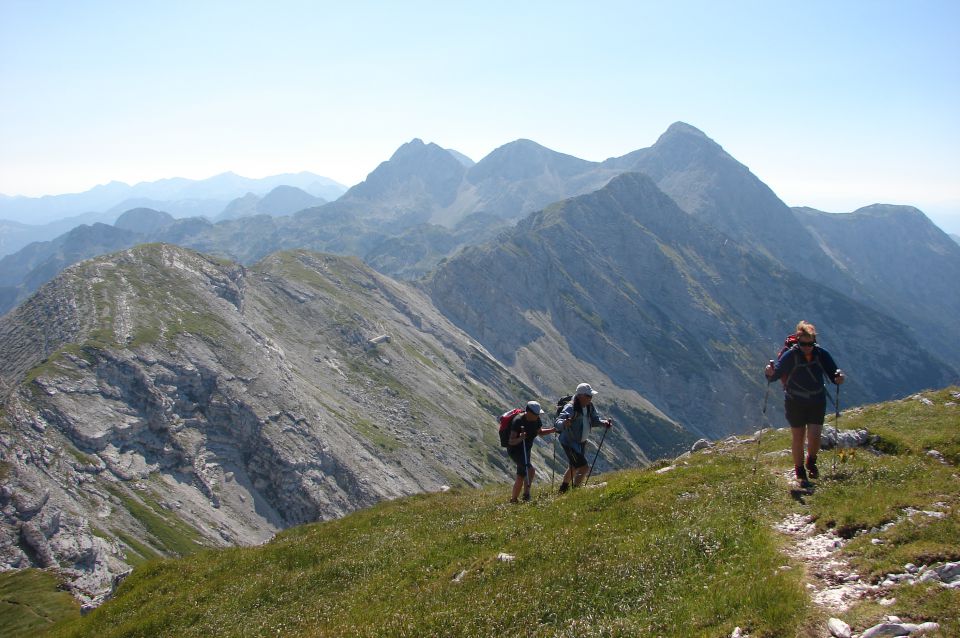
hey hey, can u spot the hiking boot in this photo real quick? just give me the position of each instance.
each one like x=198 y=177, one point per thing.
x=811 y=465
x=526 y=496
x=564 y=487
x=801 y=476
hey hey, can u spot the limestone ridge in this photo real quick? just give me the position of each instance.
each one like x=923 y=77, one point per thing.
x=623 y=285
x=158 y=398
x=907 y=264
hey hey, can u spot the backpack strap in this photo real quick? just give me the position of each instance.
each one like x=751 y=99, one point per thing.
x=806 y=365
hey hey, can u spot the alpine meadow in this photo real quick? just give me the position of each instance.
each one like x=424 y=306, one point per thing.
x=270 y=407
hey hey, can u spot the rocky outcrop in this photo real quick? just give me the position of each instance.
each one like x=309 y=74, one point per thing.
x=160 y=400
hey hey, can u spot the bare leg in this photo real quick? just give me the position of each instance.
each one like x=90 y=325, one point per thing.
x=813 y=439
x=581 y=473
x=517 y=485
x=796 y=445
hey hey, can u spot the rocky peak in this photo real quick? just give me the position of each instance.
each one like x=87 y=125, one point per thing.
x=143 y=220
x=417 y=175
x=525 y=159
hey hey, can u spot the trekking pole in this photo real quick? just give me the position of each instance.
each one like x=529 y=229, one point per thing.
x=756 y=457
x=553 y=466
x=526 y=466
x=836 y=427
x=595 y=456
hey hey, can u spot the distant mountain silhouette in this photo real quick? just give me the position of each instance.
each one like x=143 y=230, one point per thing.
x=163 y=194
x=282 y=200
x=143 y=220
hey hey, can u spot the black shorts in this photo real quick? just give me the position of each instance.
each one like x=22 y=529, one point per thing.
x=574 y=457
x=516 y=454
x=799 y=413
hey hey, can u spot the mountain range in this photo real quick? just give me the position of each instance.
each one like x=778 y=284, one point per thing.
x=399 y=219
x=28 y=219
x=159 y=397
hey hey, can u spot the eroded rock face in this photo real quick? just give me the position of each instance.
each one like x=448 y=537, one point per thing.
x=158 y=399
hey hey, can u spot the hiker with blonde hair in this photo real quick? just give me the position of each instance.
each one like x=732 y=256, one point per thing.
x=802 y=368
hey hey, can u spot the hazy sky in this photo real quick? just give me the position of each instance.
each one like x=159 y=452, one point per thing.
x=834 y=105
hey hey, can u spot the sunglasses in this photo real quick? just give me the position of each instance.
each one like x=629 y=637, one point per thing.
x=806 y=344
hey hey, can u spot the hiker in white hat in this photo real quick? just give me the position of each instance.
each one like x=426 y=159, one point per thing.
x=574 y=424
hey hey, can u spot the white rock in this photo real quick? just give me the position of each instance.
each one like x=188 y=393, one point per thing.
x=885 y=629
x=926 y=628
x=838 y=628
x=886 y=602
x=949 y=572
x=929 y=575
x=699 y=445
x=504 y=557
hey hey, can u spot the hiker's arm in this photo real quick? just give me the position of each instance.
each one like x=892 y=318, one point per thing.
x=782 y=367
x=833 y=373
x=596 y=419
x=770 y=371
x=516 y=436
x=565 y=414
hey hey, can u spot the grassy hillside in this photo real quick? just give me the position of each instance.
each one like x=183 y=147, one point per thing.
x=686 y=552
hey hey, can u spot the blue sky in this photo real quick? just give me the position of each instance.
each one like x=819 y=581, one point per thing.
x=834 y=105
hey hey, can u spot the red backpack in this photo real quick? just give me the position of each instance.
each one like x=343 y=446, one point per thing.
x=788 y=343
x=505 y=420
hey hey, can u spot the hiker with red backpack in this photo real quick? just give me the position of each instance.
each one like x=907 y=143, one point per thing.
x=574 y=423
x=801 y=367
x=524 y=428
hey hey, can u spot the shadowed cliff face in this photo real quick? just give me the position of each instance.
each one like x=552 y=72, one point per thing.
x=623 y=282
x=157 y=399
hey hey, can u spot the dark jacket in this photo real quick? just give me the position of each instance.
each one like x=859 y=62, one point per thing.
x=804 y=379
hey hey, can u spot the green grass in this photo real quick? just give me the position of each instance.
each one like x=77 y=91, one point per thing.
x=687 y=553
x=862 y=492
x=372 y=433
x=169 y=533
x=690 y=552
x=30 y=601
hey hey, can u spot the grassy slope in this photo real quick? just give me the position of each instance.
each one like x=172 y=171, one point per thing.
x=689 y=552
x=30 y=601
